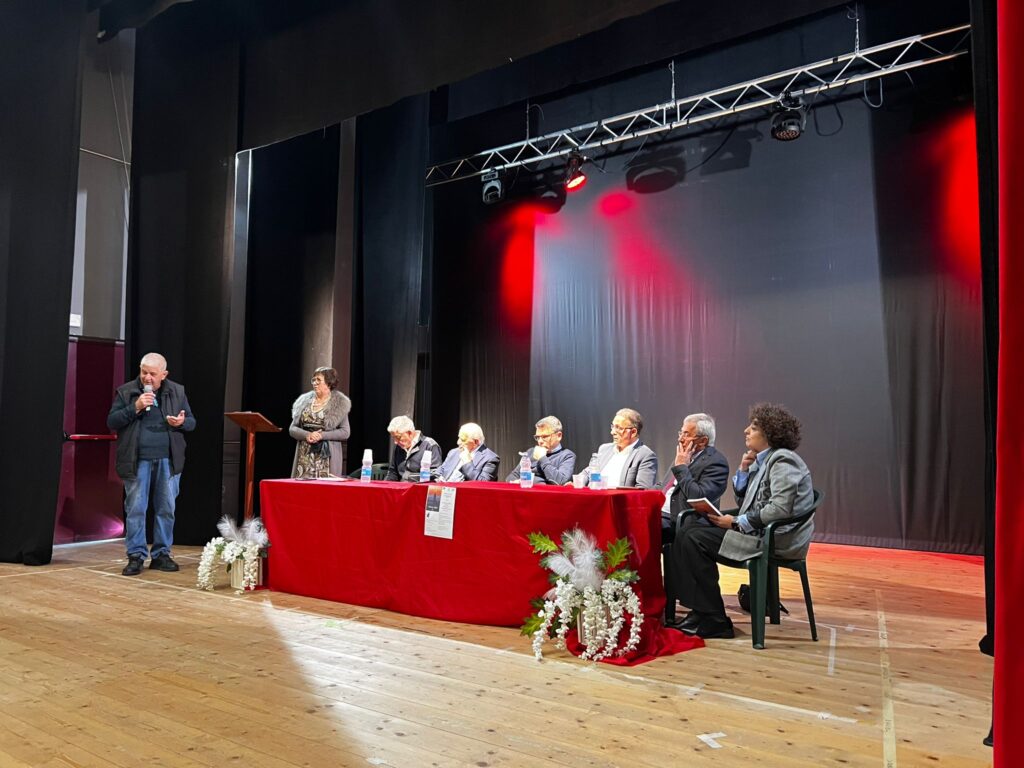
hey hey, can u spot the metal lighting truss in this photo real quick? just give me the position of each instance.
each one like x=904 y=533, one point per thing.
x=763 y=93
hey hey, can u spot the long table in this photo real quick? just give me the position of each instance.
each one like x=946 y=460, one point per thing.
x=363 y=543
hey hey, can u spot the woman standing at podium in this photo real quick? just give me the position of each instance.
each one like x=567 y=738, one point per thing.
x=319 y=424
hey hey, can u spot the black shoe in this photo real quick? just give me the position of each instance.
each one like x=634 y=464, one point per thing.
x=712 y=627
x=134 y=567
x=688 y=623
x=163 y=563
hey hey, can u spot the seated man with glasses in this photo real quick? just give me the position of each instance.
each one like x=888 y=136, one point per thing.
x=552 y=464
x=626 y=462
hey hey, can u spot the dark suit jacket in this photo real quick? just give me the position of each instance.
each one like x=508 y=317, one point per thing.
x=555 y=469
x=406 y=466
x=706 y=476
x=484 y=465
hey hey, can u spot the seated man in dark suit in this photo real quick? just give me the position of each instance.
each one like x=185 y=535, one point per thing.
x=552 y=463
x=472 y=460
x=699 y=471
x=410 y=447
x=772 y=484
x=626 y=462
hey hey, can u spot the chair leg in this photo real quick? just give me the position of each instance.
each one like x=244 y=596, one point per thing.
x=807 y=600
x=758 y=569
x=773 y=594
x=670 y=593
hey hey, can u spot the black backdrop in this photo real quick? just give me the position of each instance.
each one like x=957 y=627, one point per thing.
x=838 y=274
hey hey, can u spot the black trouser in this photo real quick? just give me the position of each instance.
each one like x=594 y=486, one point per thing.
x=695 y=566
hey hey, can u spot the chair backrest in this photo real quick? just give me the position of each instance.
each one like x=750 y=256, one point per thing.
x=377 y=472
x=794 y=521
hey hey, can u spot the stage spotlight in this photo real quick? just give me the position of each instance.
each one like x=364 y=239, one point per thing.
x=789 y=118
x=575 y=178
x=493 y=188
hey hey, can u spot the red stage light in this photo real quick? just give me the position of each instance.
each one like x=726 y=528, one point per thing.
x=577 y=181
x=575 y=178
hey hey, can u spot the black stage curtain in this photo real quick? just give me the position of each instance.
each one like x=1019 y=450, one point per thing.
x=39 y=126
x=392 y=153
x=290 y=283
x=183 y=165
x=984 y=64
x=838 y=274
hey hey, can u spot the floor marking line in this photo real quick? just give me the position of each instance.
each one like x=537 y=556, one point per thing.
x=888 y=716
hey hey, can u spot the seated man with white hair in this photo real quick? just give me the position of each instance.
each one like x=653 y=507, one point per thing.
x=551 y=462
x=410 y=445
x=472 y=460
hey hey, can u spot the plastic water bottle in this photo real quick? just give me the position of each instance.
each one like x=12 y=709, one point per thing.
x=596 y=481
x=366 y=473
x=425 y=467
x=525 y=471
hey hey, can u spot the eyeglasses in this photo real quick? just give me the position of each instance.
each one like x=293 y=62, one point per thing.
x=620 y=430
x=539 y=438
x=316 y=380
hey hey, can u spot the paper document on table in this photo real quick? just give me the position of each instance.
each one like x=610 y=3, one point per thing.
x=439 y=512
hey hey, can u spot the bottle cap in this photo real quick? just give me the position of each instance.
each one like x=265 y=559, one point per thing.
x=368 y=455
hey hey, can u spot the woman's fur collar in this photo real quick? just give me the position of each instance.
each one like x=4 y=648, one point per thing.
x=335 y=412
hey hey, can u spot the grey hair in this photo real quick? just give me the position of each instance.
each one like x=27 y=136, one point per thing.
x=635 y=419
x=154 y=359
x=473 y=431
x=705 y=424
x=401 y=424
x=551 y=423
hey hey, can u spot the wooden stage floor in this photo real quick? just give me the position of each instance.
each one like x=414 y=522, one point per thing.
x=97 y=669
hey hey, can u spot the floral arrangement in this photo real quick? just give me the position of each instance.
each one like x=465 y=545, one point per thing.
x=236 y=546
x=591 y=589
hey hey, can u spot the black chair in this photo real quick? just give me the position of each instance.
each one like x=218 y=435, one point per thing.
x=378 y=472
x=764 y=577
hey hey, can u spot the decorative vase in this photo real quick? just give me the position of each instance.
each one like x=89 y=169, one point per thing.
x=237 y=573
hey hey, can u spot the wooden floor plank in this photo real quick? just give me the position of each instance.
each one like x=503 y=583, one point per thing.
x=100 y=669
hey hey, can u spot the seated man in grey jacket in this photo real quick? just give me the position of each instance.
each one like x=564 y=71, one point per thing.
x=410 y=446
x=626 y=462
x=551 y=462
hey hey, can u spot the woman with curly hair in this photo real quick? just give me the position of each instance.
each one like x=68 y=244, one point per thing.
x=319 y=425
x=772 y=483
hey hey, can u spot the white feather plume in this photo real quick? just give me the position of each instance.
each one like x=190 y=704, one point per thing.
x=228 y=529
x=251 y=532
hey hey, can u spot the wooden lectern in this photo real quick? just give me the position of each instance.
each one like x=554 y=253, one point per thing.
x=251 y=423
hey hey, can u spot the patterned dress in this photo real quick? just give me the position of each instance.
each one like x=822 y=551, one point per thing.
x=314 y=459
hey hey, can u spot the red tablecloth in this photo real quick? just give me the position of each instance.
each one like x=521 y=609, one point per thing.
x=364 y=544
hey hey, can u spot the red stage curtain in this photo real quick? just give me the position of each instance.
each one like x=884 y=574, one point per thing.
x=1009 y=663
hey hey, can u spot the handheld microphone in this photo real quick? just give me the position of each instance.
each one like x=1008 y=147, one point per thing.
x=148 y=389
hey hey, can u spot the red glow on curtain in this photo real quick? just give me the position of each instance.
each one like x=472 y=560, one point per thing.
x=631 y=231
x=954 y=152
x=516 y=281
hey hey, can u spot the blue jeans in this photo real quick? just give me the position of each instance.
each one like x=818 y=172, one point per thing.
x=165 y=490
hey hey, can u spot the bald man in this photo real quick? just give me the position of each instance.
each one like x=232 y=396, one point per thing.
x=151 y=414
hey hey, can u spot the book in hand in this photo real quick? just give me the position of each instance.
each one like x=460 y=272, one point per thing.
x=703 y=507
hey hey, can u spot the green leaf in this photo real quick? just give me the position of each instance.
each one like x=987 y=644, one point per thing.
x=624 y=574
x=531 y=624
x=617 y=553
x=542 y=544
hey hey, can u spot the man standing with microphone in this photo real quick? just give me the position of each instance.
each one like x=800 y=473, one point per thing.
x=150 y=414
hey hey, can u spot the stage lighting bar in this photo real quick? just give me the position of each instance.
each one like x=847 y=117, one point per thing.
x=763 y=93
